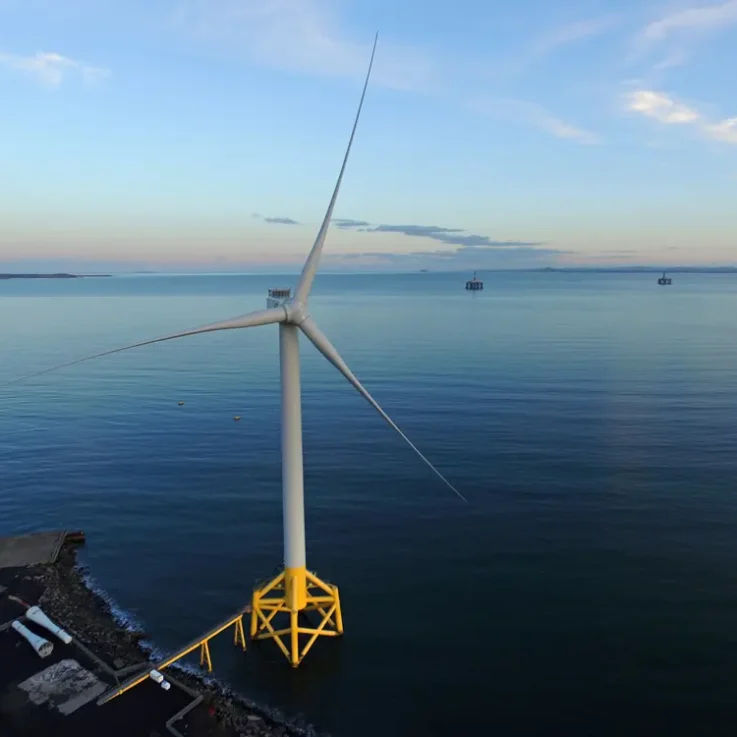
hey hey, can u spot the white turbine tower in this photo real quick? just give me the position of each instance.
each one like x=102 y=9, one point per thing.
x=295 y=589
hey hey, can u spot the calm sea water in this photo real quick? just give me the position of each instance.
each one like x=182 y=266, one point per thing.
x=590 y=586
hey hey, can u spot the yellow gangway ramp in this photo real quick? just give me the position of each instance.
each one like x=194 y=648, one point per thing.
x=239 y=638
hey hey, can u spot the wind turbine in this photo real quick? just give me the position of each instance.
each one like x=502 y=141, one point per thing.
x=295 y=589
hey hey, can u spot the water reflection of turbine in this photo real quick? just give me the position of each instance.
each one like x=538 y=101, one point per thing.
x=295 y=591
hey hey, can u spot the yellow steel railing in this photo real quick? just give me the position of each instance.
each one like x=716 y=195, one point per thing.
x=239 y=638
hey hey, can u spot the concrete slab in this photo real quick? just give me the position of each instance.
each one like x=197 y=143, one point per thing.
x=65 y=685
x=30 y=550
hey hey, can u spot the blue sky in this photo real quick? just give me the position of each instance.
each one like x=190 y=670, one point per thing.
x=207 y=134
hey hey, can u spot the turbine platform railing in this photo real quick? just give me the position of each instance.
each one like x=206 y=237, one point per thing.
x=278 y=297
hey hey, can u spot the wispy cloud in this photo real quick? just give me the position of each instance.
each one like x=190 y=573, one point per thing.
x=449 y=259
x=311 y=37
x=52 y=69
x=674 y=59
x=533 y=115
x=696 y=20
x=304 y=36
x=619 y=252
x=557 y=38
x=663 y=108
x=348 y=223
x=275 y=220
x=448 y=236
x=281 y=221
x=676 y=33
x=725 y=131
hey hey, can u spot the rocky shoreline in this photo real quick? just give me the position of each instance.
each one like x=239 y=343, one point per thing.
x=68 y=599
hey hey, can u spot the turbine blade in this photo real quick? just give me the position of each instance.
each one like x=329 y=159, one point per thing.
x=310 y=267
x=252 y=319
x=320 y=341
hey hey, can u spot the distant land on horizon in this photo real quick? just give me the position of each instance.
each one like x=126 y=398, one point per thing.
x=644 y=269
x=538 y=269
x=634 y=269
x=53 y=276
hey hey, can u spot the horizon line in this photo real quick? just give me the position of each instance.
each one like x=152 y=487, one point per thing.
x=343 y=272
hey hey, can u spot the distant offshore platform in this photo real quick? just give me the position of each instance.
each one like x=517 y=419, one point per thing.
x=475 y=284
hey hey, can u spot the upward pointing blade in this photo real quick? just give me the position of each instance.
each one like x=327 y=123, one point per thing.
x=320 y=341
x=252 y=319
x=310 y=267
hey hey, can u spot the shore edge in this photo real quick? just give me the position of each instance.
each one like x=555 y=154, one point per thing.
x=69 y=597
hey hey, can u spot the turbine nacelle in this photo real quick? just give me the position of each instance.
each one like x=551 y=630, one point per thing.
x=296 y=312
x=295 y=309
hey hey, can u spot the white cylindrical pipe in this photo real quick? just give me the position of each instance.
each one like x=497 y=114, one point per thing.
x=42 y=646
x=295 y=555
x=35 y=614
